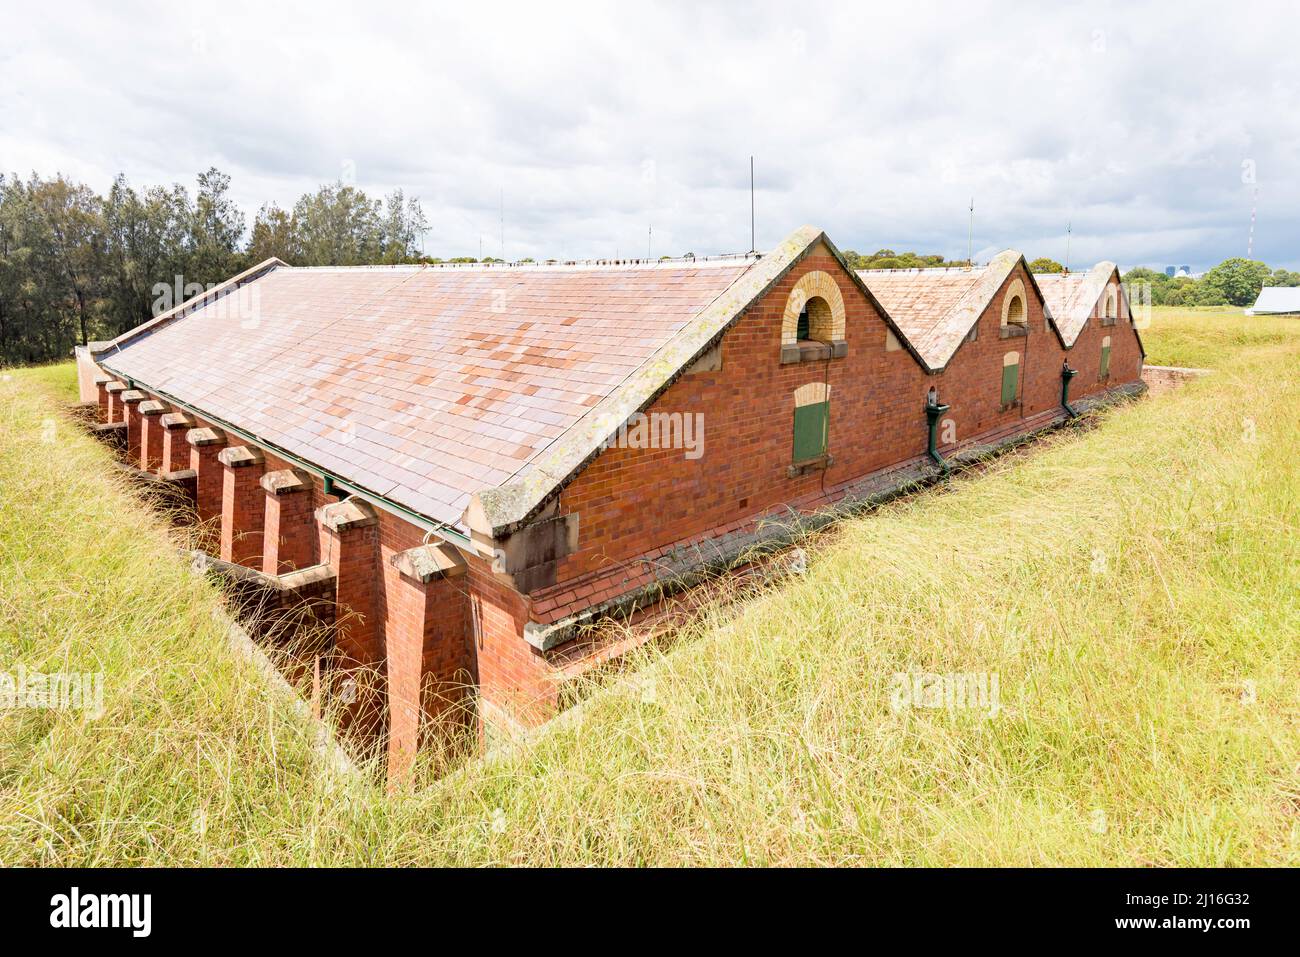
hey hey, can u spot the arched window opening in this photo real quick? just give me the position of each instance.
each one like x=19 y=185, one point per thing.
x=1016 y=311
x=1111 y=311
x=816 y=322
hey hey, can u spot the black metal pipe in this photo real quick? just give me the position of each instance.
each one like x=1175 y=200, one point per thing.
x=1066 y=375
x=933 y=412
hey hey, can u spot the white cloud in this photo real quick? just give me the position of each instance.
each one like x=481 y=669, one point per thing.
x=598 y=120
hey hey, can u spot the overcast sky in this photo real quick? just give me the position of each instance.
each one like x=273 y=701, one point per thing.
x=1149 y=128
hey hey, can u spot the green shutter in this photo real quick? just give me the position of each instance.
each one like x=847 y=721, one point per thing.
x=1105 y=361
x=1010 y=379
x=811 y=424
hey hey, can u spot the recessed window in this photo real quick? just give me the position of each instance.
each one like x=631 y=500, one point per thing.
x=1015 y=318
x=1103 y=371
x=1010 y=379
x=812 y=420
x=1110 y=311
x=812 y=326
x=820 y=324
x=1016 y=311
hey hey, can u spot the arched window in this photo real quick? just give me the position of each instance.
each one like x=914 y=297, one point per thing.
x=1015 y=319
x=814 y=312
x=817 y=321
x=1111 y=310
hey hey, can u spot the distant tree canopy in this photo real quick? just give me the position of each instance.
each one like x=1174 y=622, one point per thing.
x=1234 y=282
x=888 y=259
x=76 y=266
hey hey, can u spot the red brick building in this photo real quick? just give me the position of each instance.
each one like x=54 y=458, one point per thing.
x=477 y=461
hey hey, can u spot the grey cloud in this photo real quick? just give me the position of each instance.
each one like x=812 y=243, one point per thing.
x=1130 y=122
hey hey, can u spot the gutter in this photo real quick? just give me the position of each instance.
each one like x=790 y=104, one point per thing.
x=444 y=532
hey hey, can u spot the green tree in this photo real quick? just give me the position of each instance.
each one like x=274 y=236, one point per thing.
x=404 y=228
x=146 y=238
x=1237 y=280
x=73 y=229
x=1044 y=265
x=216 y=230
x=275 y=235
x=339 y=225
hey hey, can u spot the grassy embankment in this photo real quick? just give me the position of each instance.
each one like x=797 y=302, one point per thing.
x=1135 y=588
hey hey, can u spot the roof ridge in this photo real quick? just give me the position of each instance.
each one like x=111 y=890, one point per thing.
x=251 y=274
x=721 y=260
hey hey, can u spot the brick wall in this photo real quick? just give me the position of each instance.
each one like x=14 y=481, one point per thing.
x=1125 y=352
x=633 y=500
x=972 y=381
x=428 y=640
x=243 y=512
x=512 y=675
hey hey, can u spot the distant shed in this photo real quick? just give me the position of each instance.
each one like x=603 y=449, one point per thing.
x=1276 y=301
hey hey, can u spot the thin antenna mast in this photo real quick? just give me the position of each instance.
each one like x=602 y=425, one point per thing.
x=753 y=247
x=1069 y=227
x=503 y=223
x=970 y=235
x=650 y=236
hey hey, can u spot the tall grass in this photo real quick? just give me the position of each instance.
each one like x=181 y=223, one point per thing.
x=1135 y=588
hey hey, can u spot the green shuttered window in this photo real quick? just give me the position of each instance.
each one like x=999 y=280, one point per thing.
x=811 y=427
x=1010 y=381
x=1105 y=361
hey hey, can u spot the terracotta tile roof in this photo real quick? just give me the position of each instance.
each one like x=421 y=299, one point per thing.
x=1073 y=297
x=422 y=384
x=936 y=308
x=497 y=511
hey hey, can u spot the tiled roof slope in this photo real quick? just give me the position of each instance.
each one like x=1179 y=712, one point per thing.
x=1073 y=297
x=936 y=308
x=424 y=385
x=499 y=510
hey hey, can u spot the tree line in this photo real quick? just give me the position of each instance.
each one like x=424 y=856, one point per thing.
x=76 y=266
x=1233 y=282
